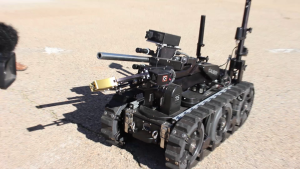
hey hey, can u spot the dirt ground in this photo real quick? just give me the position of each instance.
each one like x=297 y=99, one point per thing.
x=50 y=119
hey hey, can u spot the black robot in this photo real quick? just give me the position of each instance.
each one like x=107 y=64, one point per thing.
x=181 y=103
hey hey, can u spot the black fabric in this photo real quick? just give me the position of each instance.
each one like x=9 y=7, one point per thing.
x=8 y=38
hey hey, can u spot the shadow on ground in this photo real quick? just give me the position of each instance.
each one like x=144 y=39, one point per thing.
x=120 y=68
x=89 y=109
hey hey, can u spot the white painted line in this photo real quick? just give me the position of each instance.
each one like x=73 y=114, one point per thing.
x=284 y=50
x=53 y=50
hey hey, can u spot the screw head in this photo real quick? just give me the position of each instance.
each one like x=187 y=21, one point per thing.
x=174 y=131
x=176 y=163
x=112 y=115
x=167 y=159
x=105 y=113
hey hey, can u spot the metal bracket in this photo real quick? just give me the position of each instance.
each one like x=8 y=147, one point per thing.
x=129 y=116
x=128 y=119
x=134 y=104
x=164 y=133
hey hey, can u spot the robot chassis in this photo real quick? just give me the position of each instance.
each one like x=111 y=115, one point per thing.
x=183 y=104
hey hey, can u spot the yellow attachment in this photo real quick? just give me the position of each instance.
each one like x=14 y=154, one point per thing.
x=104 y=84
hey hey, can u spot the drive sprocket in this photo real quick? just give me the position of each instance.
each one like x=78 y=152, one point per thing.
x=112 y=125
x=243 y=102
x=246 y=106
x=185 y=143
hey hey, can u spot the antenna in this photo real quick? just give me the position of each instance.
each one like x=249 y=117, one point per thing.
x=241 y=33
x=201 y=35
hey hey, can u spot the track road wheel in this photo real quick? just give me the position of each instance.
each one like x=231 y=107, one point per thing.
x=185 y=143
x=221 y=124
x=247 y=105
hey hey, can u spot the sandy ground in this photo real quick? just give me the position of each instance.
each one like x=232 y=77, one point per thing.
x=50 y=119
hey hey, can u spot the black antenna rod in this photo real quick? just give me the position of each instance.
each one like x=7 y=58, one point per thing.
x=242 y=32
x=237 y=64
x=201 y=35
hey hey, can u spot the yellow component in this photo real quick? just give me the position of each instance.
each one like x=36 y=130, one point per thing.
x=104 y=84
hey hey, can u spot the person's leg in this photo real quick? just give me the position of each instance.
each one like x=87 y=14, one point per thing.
x=20 y=67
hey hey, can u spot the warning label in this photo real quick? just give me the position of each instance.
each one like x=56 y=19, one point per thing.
x=165 y=78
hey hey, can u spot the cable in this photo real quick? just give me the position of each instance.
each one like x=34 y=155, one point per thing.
x=181 y=53
x=226 y=75
x=229 y=58
x=174 y=75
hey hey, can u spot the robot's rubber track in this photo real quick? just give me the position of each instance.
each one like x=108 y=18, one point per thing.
x=110 y=122
x=177 y=144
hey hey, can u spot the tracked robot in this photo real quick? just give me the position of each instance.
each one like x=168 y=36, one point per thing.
x=183 y=104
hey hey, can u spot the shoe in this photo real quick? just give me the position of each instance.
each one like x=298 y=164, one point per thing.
x=20 y=67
